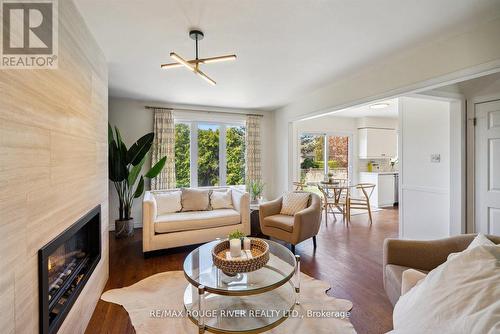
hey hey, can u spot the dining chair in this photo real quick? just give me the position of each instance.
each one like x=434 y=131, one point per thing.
x=362 y=202
x=299 y=186
x=333 y=200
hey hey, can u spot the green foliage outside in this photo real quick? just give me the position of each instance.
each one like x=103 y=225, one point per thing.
x=182 y=173
x=208 y=155
x=309 y=163
x=235 y=148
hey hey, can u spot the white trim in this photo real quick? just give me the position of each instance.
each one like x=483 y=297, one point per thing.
x=434 y=190
x=471 y=157
x=193 y=157
x=222 y=155
x=401 y=169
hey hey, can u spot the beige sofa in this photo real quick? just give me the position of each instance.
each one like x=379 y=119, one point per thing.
x=400 y=255
x=192 y=227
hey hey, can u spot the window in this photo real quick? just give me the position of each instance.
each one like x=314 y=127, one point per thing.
x=182 y=157
x=209 y=154
x=316 y=149
x=235 y=147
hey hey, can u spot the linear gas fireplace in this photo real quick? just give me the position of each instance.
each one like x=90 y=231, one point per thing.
x=64 y=266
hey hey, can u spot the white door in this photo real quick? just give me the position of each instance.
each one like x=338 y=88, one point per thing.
x=487 y=167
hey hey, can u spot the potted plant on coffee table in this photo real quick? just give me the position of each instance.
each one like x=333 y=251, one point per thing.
x=125 y=172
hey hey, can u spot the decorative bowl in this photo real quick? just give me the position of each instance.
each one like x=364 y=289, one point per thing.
x=231 y=267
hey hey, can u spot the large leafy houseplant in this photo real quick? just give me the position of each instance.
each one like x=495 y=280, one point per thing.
x=125 y=172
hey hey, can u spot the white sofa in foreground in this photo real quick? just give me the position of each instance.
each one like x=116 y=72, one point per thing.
x=171 y=222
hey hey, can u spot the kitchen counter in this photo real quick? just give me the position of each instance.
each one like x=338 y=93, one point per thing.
x=385 y=192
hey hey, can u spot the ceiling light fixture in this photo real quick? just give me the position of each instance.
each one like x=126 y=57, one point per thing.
x=379 y=105
x=194 y=64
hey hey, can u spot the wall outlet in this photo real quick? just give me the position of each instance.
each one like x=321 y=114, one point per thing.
x=436 y=157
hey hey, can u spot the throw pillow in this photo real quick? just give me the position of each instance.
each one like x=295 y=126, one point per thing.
x=294 y=202
x=168 y=202
x=459 y=296
x=480 y=240
x=221 y=199
x=195 y=199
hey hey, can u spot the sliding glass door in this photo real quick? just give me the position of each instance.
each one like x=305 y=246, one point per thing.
x=322 y=154
x=338 y=156
x=312 y=158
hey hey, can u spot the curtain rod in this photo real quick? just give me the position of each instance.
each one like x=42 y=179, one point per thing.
x=207 y=111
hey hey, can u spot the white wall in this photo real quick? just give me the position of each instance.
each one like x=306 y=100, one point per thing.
x=444 y=59
x=133 y=121
x=425 y=186
x=480 y=89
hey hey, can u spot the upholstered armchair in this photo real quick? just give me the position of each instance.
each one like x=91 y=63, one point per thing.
x=291 y=229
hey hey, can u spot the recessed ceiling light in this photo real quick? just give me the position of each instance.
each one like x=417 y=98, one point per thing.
x=379 y=105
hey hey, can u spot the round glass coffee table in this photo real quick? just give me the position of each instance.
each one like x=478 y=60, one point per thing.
x=246 y=303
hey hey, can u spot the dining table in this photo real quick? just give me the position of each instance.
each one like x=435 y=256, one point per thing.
x=337 y=191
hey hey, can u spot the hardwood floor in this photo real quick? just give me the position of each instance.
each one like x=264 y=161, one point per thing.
x=350 y=259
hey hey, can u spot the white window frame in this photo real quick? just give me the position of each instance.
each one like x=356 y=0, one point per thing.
x=325 y=149
x=193 y=148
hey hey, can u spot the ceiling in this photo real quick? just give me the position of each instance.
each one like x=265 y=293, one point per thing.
x=285 y=48
x=390 y=111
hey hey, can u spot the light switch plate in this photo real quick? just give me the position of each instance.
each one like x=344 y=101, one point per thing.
x=436 y=157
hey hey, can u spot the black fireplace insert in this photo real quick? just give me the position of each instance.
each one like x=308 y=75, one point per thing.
x=64 y=267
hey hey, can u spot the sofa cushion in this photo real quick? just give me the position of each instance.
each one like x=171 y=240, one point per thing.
x=294 y=202
x=221 y=199
x=168 y=202
x=195 y=220
x=195 y=199
x=283 y=222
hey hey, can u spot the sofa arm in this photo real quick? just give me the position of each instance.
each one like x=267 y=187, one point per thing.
x=241 y=203
x=269 y=209
x=419 y=254
x=307 y=221
x=149 y=211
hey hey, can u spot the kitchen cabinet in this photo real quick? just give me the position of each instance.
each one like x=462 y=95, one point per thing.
x=384 y=191
x=376 y=143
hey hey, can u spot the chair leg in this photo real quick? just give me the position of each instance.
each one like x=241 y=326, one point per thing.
x=292 y=246
x=326 y=214
x=370 y=214
x=348 y=211
x=314 y=241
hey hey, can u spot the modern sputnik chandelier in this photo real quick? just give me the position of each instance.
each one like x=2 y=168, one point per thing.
x=194 y=64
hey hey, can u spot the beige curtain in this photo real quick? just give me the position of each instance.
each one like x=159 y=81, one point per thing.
x=164 y=145
x=252 y=143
